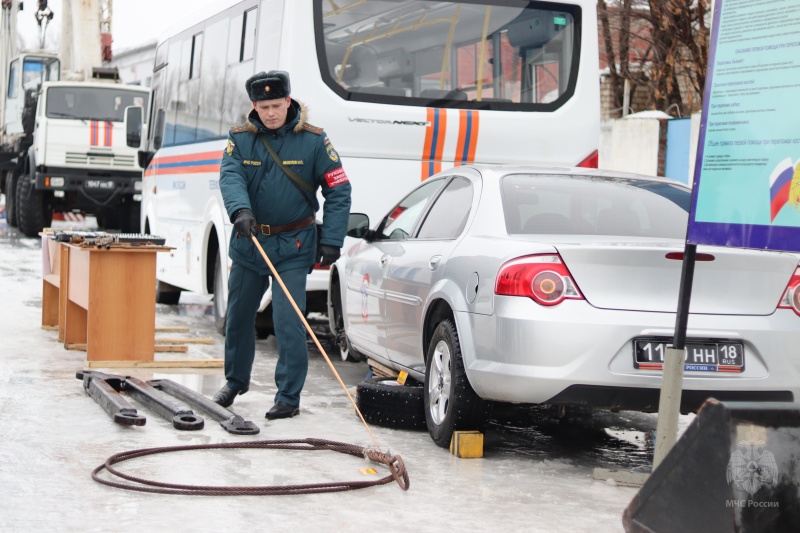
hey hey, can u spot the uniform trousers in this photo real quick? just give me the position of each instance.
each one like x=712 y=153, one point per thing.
x=245 y=288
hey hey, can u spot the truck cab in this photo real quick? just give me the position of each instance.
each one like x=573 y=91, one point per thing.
x=25 y=74
x=79 y=159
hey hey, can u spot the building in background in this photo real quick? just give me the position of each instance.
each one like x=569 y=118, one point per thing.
x=135 y=64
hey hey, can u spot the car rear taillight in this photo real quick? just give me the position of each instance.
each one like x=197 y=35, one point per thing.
x=593 y=161
x=791 y=298
x=544 y=278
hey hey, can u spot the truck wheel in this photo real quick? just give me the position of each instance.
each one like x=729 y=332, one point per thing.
x=11 y=198
x=31 y=215
x=220 y=303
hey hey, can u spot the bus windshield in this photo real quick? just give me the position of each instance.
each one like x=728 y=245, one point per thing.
x=456 y=54
x=93 y=103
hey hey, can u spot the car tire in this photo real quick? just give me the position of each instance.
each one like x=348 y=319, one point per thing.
x=220 y=302
x=450 y=402
x=385 y=402
x=11 y=198
x=340 y=341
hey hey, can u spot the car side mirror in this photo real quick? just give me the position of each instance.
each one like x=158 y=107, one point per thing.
x=133 y=126
x=358 y=226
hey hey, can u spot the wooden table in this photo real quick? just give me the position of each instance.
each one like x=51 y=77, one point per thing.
x=102 y=297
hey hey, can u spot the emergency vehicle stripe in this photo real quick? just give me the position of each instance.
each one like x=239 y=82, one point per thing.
x=473 y=136
x=434 y=142
x=441 y=118
x=185 y=164
x=108 y=128
x=93 y=132
x=467 y=137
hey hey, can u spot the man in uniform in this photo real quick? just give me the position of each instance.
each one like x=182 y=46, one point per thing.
x=262 y=200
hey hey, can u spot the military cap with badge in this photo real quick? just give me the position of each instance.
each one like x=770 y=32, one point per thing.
x=268 y=85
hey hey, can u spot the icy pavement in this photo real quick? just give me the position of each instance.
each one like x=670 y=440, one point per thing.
x=53 y=435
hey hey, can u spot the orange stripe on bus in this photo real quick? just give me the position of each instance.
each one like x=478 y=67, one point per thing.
x=462 y=134
x=439 y=155
x=426 y=147
x=189 y=157
x=473 y=138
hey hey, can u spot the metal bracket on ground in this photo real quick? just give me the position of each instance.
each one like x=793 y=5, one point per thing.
x=160 y=403
x=105 y=389
x=230 y=422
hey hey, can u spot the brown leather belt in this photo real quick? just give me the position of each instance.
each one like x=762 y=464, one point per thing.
x=267 y=229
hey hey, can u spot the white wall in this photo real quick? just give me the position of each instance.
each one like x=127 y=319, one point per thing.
x=632 y=144
x=135 y=65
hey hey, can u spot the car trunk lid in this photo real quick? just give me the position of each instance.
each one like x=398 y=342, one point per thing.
x=645 y=276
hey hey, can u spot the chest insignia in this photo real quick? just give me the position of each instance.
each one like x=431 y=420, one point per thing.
x=300 y=162
x=252 y=163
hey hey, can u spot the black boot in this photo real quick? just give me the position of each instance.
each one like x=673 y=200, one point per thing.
x=282 y=410
x=226 y=394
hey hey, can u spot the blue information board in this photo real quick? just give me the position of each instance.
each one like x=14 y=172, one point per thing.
x=746 y=189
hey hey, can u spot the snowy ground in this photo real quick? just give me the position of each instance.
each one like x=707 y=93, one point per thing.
x=537 y=473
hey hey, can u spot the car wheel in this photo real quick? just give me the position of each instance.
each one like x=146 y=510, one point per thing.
x=220 y=303
x=450 y=402
x=346 y=350
x=385 y=402
x=11 y=198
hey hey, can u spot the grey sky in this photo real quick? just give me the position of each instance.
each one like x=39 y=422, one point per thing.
x=134 y=21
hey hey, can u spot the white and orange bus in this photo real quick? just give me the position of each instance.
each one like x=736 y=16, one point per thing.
x=404 y=89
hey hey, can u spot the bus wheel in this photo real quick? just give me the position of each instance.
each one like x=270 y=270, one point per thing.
x=220 y=303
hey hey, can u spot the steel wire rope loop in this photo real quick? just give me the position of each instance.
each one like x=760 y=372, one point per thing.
x=394 y=464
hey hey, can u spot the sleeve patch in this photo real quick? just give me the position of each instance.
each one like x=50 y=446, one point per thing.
x=230 y=147
x=336 y=177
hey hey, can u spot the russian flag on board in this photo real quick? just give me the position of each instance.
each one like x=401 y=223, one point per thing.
x=784 y=178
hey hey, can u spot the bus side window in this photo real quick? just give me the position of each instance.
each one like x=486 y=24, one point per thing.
x=241 y=45
x=212 y=83
x=171 y=99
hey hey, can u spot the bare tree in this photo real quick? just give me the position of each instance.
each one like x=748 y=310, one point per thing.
x=659 y=43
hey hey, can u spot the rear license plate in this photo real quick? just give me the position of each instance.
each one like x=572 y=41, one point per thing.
x=701 y=356
x=100 y=184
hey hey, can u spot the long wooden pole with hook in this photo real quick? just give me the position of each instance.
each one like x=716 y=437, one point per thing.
x=313 y=336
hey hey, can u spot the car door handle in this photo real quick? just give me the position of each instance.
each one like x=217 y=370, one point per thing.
x=384 y=260
x=434 y=262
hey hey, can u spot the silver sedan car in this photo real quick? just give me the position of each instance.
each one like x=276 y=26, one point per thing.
x=559 y=286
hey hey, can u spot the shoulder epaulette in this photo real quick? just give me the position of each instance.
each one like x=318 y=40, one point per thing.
x=244 y=127
x=313 y=129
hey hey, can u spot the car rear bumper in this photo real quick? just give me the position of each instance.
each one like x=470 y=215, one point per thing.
x=530 y=354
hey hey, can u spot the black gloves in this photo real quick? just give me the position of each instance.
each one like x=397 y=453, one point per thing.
x=245 y=223
x=327 y=254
